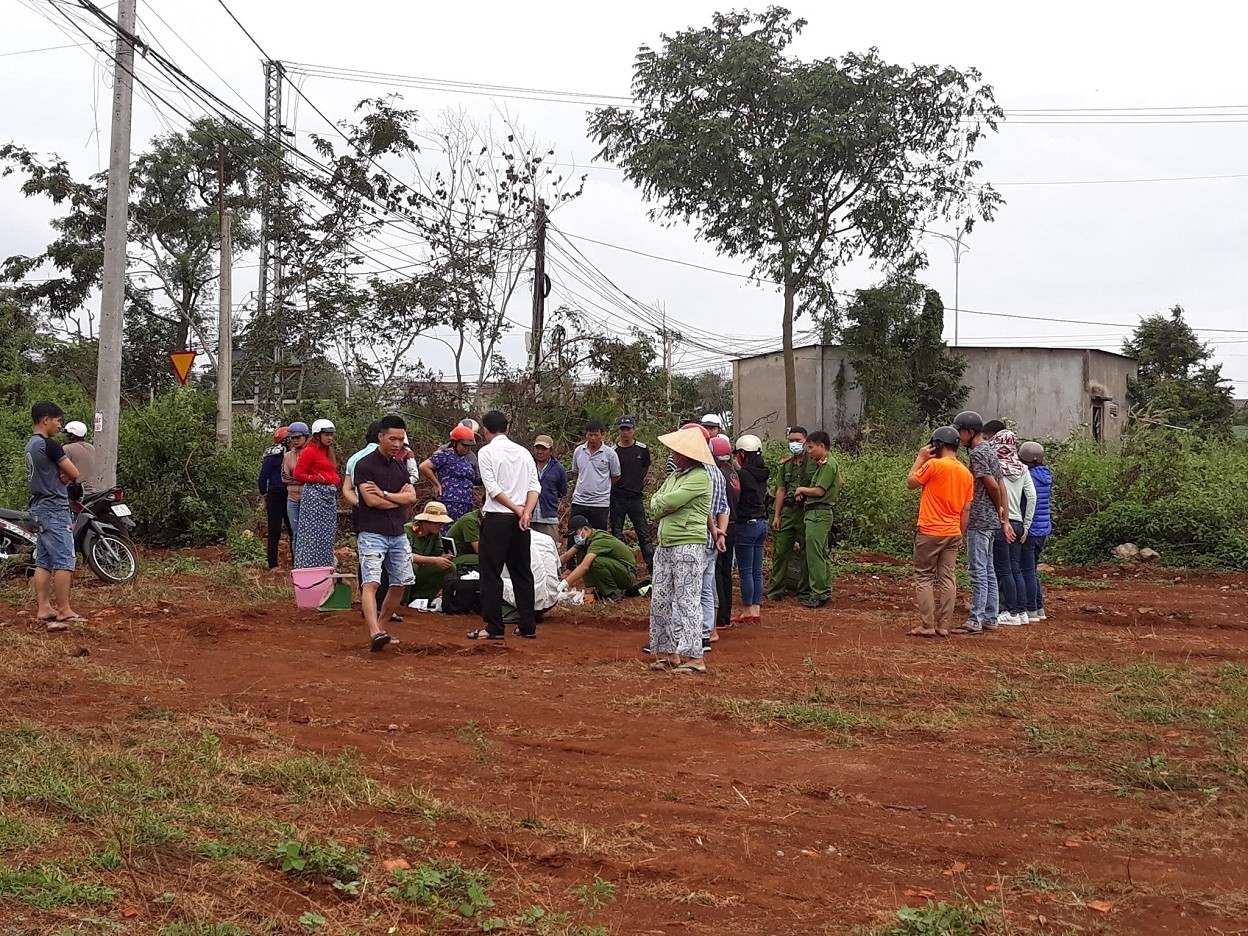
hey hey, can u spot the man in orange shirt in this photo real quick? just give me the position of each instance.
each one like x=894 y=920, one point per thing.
x=944 y=511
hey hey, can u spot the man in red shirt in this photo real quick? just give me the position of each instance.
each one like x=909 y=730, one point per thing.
x=944 y=510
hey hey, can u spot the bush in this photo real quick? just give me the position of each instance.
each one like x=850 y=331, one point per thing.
x=183 y=489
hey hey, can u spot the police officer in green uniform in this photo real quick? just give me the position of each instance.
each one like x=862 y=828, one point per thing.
x=786 y=525
x=816 y=499
x=604 y=563
x=466 y=532
x=428 y=563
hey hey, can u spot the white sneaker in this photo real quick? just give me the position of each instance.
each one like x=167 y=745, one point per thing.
x=1023 y=618
x=1039 y=615
x=1008 y=619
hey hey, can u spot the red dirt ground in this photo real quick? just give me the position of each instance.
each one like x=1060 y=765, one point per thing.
x=710 y=823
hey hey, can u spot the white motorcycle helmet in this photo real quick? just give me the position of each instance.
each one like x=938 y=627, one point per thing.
x=749 y=443
x=76 y=428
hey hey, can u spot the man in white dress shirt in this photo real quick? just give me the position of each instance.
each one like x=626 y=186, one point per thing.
x=509 y=476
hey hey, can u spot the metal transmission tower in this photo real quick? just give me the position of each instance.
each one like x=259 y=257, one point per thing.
x=269 y=295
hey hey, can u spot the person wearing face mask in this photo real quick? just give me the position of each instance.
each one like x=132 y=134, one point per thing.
x=789 y=519
x=604 y=563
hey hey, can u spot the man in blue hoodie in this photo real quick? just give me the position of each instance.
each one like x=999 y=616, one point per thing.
x=1032 y=455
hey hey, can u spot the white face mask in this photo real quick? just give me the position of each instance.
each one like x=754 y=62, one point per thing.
x=797 y=447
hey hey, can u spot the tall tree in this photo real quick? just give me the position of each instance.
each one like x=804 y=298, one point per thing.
x=799 y=167
x=1175 y=380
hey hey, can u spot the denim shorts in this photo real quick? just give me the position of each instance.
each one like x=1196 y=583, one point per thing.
x=54 y=547
x=394 y=552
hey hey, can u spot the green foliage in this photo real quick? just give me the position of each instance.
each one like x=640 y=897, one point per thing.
x=1175 y=384
x=314 y=858
x=892 y=336
x=184 y=490
x=50 y=885
x=938 y=919
x=443 y=885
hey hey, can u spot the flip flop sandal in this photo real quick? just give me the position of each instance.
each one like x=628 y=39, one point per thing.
x=921 y=633
x=686 y=669
x=379 y=641
x=483 y=634
x=395 y=619
x=519 y=633
x=55 y=626
x=75 y=618
x=660 y=666
x=942 y=633
x=967 y=631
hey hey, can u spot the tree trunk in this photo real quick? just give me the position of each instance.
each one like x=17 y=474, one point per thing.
x=790 y=372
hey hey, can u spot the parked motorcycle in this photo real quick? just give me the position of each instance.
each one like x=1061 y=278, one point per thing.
x=102 y=526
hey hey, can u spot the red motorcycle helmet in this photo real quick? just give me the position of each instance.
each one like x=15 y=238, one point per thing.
x=701 y=428
x=281 y=434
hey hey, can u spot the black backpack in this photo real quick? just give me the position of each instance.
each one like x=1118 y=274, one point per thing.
x=460 y=596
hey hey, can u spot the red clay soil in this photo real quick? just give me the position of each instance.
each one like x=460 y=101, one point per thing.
x=707 y=816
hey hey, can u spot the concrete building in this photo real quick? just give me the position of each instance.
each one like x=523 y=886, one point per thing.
x=1049 y=393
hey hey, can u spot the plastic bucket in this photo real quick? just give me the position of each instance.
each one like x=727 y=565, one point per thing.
x=337 y=598
x=311 y=585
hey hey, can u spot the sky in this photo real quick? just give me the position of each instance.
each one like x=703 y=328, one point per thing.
x=1134 y=94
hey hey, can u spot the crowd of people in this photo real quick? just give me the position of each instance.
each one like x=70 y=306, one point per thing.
x=714 y=511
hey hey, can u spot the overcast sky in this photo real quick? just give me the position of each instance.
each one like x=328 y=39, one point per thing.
x=1104 y=252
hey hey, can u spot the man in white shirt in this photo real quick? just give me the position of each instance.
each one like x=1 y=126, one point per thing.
x=509 y=476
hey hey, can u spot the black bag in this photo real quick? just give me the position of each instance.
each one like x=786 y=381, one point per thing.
x=460 y=596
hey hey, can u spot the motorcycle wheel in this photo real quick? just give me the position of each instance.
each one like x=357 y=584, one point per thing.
x=111 y=558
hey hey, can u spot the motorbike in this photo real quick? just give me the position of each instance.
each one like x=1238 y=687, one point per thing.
x=102 y=526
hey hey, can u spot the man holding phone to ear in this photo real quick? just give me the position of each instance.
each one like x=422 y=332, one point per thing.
x=944 y=512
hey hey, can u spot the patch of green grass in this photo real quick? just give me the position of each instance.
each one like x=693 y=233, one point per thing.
x=444 y=886
x=313 y=858
x=471 y=733
x=1154 y=772
x=203 y=929
x=24 y=830
x=1066 y=581
x=937 y=919
x=1146 y=673
x=798 y=715
x=48 y=885
x=1063 y=742
x=1039 y=879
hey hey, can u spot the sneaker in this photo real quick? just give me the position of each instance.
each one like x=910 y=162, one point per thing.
x=707 y=646
x=813 y=602
x=1038 y=615
x=1008 y=619
x=1024 y=617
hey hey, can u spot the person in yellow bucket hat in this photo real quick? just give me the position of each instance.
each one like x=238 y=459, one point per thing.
x=428 y=561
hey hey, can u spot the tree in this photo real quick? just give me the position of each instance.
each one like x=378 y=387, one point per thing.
x=799 y=167
x=1174 y=382
x=892 y=339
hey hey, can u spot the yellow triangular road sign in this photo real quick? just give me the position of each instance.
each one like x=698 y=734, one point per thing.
x=182 y=361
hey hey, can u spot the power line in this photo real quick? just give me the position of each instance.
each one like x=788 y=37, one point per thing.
x=72 y=45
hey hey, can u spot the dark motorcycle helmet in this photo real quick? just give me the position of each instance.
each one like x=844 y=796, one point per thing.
x=968 y=420
x=945 y=435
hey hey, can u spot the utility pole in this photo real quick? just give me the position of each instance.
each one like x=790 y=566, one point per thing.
x=539 y=286
x=225 y=330
x=116 y=230
x=269 y=305
x=667 y=337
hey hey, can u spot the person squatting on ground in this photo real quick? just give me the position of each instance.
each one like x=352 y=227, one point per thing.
x=274 y=491
x=1007 y=556
x=451 y=473
x=509 y=475
x=944 y=511
x=82 y=454
x=604 y=563
x=317 y=471
x=385 y=493
x=815 y=498
x=429 y=565
x=627 y=497
x=721 y=448
x=749 y=531
x=788 y=518
x=466 y=532
x=48 y=472
x=296 y=439
x=1032 y=455
x=989 y=514
x=554 y=480
x=682 y=506
x=597 y=470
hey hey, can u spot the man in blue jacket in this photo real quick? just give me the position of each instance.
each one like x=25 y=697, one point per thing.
x=1032 y=455
x=274 y=490
x=554 y=480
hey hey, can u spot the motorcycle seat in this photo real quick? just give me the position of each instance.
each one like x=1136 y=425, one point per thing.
x=6 y=514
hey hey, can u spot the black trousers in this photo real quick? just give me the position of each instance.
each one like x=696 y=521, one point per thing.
x=504 y=544
x=723 y=580
x=275 y=510
x=599 y=517
x=632 y=507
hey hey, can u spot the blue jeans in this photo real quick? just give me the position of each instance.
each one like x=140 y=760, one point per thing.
x=751 y=535
x=984 y=599
x=54 y=543
x=1007 y=563
x=392 y=552
x=1031 y=575
x=292 y=514
x=708 y=592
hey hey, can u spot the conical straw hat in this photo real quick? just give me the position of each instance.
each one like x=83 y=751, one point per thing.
x=689 y=442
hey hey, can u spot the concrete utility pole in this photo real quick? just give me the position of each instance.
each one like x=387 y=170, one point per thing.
x=116 y=230
x=225 y=329
x=539 y=286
